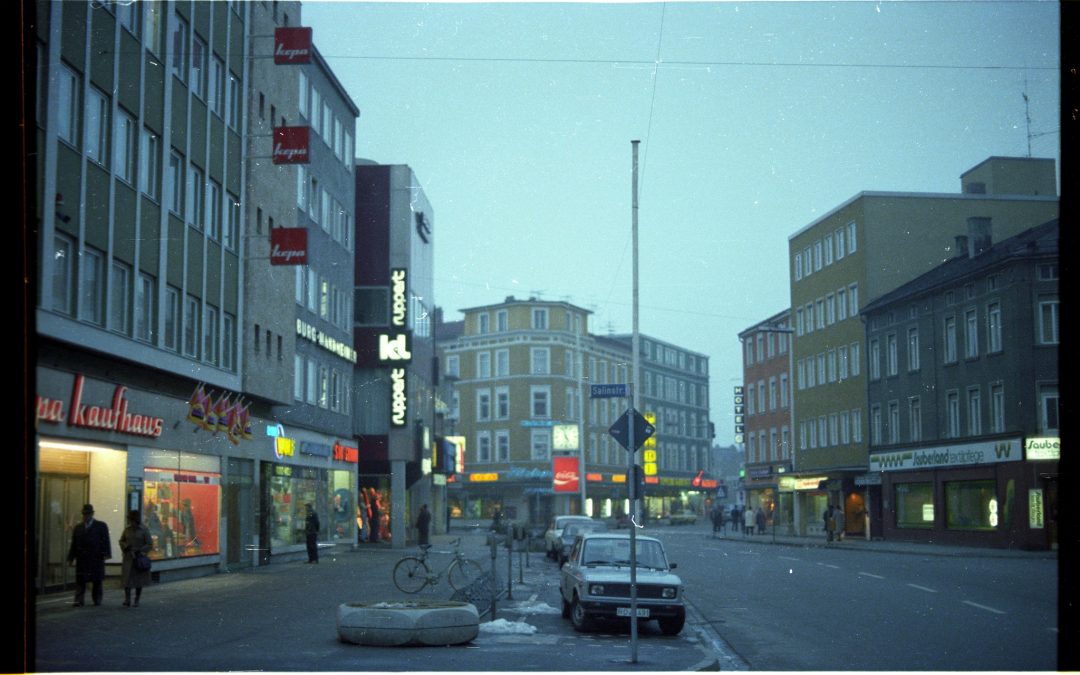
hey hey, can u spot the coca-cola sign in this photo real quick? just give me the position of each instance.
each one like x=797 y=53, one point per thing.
x=292 y=46
x=564 y=474
x=288 y=246
x=291 y=145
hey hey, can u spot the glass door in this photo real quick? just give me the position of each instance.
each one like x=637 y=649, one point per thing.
x=59 y=510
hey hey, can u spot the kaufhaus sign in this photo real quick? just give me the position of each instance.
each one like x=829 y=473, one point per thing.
x=989 y=452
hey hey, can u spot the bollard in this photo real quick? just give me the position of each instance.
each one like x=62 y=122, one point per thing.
x=494 y=590
x=510 y=567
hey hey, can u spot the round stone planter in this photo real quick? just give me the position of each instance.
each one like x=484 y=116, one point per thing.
x=409 y=622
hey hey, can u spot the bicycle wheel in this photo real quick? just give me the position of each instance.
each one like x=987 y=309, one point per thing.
x=463 y=573
x=410 y=575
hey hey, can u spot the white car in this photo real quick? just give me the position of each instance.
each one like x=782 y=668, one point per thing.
x=595 y=582
x=552 y=538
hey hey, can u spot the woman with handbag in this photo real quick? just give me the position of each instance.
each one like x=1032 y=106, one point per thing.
x=136 y=543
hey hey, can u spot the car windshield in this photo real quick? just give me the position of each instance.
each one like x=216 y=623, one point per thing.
x=617 y=552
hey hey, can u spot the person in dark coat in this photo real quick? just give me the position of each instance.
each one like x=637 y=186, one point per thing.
x=311 y=530
x=760 y=519
x=423 y=524
x=375 y=521
x=90 y=548
x=736 y=520
x=135 y=540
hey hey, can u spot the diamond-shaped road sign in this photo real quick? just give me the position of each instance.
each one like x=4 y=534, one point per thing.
x=620 y=431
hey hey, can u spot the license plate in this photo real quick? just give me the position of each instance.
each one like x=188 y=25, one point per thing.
x=642 y=612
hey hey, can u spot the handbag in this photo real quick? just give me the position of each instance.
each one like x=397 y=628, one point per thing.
x=142 y=562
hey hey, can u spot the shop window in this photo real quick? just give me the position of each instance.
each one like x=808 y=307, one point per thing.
x=181 y=510
x=914 y=505
x=971 y=505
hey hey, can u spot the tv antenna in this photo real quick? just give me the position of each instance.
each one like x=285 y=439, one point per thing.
x=1027 y=119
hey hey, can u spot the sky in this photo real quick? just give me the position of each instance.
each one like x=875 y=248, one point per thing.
x=754 y=120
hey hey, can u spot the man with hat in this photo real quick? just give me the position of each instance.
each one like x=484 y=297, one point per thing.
x=90 y=547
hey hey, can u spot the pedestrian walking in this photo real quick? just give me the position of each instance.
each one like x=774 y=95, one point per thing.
x=90 y=548
x=717 y=519
x=136 y=542
x=736 y=520
x=311 y=532
x=840 y=522
x=759 y=518
x=748 y=520
x=423 y=524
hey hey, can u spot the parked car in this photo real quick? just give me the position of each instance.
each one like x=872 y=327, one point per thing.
x=554 y=531
x=570 y=533
x=595 y=582
x=682 y=518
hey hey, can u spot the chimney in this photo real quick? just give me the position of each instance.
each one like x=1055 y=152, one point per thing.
x=979 y=239
x=961 y=248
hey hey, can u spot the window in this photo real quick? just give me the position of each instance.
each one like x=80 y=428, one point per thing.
x=993 y=327
x=830 y=308
x=324 y=387
x=891 y=355
x=153 y=22
x=483 y=365
x=783 y=390
x=914 y=419
x=63 y=286
x=997 y=408
x=834 y=431
x=798 y=266
x=1049 y=311
x=67 y=105
x=952 y=414
x=197 y=197
x=856 y=425
x=800 y=374
x=210 y=333
x=172 y=318
x=974 y=412
x=191 y=326
x=817 y=255
x=842 y=362
x=808 y=262
x=540 y=359
x=312 y=288
x=310 y=395
x=875 y=425
x=502 y=362
x=831 y=363
x=971 y=334
x=198 y=67
x=855 y=362
x=820 y=313
x=97 y=125
x=839 y=239
x=772 y=393
x=894 y=422
x=502 y=403
x=453 y=366
x=971 y=505
x=501 y=321
x=228 y=342
x=949 y=336
x=540 y=318
x=822 y=429
x=217 y=86
x=149 y=163
x=853 y=299
x=540 y=441
x=750 y=399
x=845 y=429
x=483 y=323
x=1049 y=420
x=809 y=317
x=92 y=286
x=176 y=183
x=760 y=353
x=231 y=235
x=913 y=349
x=502 y=446
x=914 y=505
x=127 y=13
x=851 y=237
x=483 y=447
x=316 y=111
x=828 y=249
x=178 y=64
x=1049 y=272
x=234 y=101
x=324 y=298
x=841 y=304
x=215 y=209
x=540 y=401
x=873 y=356
x=119 y=292
x=124 y=147
x=304 y=101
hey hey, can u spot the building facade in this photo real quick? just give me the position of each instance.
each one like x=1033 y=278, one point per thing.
x=963 y=393
x=861 y=250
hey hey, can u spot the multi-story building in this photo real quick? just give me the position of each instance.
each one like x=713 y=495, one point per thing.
x=523 y=370
x=964 y=425
x=394 y=402
x=767 y=418
x=862 y=249
x=140 y=128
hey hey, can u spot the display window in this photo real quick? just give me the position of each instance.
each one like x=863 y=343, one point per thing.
x=373 y=512
x=291 y=488
x=914 y=505
x=971 y=505
x=181 y=509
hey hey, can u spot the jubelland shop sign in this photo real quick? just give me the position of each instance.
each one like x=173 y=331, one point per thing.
x=288 y=246
x=292 y=45
x=115 y=417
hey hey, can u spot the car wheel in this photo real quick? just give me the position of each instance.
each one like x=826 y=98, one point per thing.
x=672 y=625
x=565 y=607
x=578 y=617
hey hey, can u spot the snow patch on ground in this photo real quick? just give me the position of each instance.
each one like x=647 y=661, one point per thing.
x=504 y=627
x=532 y=608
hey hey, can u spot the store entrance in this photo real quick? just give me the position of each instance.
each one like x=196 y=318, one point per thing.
x=59 y=509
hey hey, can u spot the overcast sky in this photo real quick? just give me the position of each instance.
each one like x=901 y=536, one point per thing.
x=755 y=119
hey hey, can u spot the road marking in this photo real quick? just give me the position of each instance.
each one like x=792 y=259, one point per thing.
x=989 y=609
x=835 y=567
x=922 y=588
x=867 y=574
x=785 y=557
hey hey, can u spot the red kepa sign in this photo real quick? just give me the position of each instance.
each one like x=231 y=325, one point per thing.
x=291 y=145
x=292 y=46
x=288 y=246
x=564 y=474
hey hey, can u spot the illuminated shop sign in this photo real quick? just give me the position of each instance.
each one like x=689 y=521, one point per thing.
x=291 y=145
x=991 y=452
x=399 y=297
x=284 y=447
x=288 y=246
x=396 y=349
x=292 y=45
x=114 y=418
x=564 y=474
x=345 y=453
x=327 y=342
x=596 y=477
x=315 y=449
x=222 y=413
x=1042 y=448
x=398 y=398
x=1036 y=512
x=483 y=477
x=791 y=483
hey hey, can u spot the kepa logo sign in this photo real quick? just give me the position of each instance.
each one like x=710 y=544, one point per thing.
x=292 y=46
x=288 y=246
x=291 y=145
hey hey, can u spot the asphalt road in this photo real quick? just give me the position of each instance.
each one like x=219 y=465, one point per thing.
x=783 y=608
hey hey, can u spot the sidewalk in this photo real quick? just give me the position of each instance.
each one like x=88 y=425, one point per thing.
x=283 y=617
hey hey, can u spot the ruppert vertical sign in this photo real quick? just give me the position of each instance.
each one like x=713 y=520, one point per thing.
x=395 y=346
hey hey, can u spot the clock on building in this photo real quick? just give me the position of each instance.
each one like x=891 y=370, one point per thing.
x=565 y=436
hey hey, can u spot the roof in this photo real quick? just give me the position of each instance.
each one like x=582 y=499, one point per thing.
x=1039 y=241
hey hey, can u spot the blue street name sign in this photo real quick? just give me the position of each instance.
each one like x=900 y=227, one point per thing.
x=607 y=391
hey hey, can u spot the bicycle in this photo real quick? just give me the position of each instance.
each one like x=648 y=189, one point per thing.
x=412 y=574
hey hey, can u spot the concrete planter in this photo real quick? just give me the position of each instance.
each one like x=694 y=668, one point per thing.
x=411 y=622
